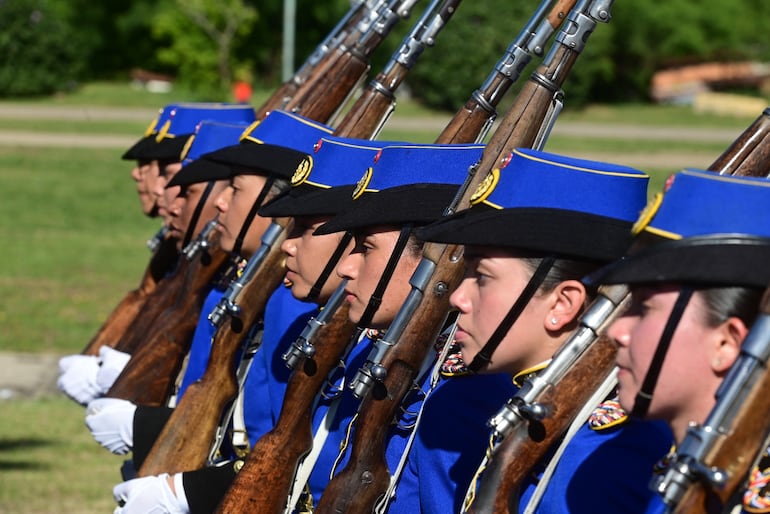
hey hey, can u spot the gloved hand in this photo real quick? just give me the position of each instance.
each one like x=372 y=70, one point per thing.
x=111 y=422
x=112 y=363
x=78 y=377
x=151 y=495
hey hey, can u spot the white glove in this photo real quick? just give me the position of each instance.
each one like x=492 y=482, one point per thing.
x=112 y=363
x=151 y=495
x=78 y=378
x=111 y=422
x=68 y=360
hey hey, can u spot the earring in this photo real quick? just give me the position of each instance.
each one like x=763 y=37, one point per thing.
x=554 y=321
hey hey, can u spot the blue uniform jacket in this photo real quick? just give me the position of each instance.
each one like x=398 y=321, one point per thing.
x=601 y=471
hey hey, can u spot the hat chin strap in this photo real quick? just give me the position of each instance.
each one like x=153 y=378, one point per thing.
x=197 y=213
x=329 y=268
x=484 y=357
x=644 y=396
x=252 y=214
x=376 y=299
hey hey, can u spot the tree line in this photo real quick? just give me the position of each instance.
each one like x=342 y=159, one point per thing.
x=52 y=45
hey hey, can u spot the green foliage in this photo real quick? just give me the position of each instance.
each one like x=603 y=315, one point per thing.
x=201 y=36
x=466 y=52
x=39 y=48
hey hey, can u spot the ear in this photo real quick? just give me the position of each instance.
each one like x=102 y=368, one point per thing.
x=731 y=334
x=567 y=300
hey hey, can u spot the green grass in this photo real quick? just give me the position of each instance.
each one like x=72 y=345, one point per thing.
x=50 y=463
x=73 y=238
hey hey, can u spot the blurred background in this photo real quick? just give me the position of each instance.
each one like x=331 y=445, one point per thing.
x=664 y=85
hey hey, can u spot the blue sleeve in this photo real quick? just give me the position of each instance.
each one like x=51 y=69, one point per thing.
x=265 y=385
x=451 y=440
x=201 y=342
x=606 y=470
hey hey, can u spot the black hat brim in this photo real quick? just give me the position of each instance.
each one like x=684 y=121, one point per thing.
x=256 y=158
x=418 y=204
x=168 y=149
x=558 y=231
x=310 y=201
x=199 y=171
x=715 y=261
x=137 y=152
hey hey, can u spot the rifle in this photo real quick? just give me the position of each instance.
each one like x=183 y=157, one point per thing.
x=323 y=343
x=123 y=315
x=525 y=429
x=148 y=377
x=332 y=82
x=178 y=448
x=713 y=460
x=394 y=362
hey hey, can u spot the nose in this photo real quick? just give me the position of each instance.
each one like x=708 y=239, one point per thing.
x=620 y=331
x=175 y=206
x=459 y=298
x=222 y=201
x=348 y=266
x=136 y=173
x=289 y=246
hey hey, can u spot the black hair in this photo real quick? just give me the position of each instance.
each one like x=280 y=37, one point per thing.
x=721 y=303
x=563 y=268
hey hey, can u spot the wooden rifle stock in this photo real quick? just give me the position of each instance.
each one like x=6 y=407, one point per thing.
x=122 y=318
x=186 y=439
x=264 y=483
x=527 y=444
x=149 y=376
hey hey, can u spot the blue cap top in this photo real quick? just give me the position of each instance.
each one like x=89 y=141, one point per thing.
x=210 y=136
x=538 y=179
x=699 y=203
x=183 y=118
x=405 y=164
x=287 y=129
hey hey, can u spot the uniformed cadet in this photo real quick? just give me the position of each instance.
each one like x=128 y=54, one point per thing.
x=84 y=377
x=376 y=238
x=120 y=425
x=696 y=273
x=534 y=229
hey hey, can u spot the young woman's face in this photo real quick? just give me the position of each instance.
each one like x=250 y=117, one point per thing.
x=307 y=255
x=145 y=174
x=184 y=205
x=685 y=385
x=163 y=196
x=234 y=204
x=493 y=281
x=363 y=268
